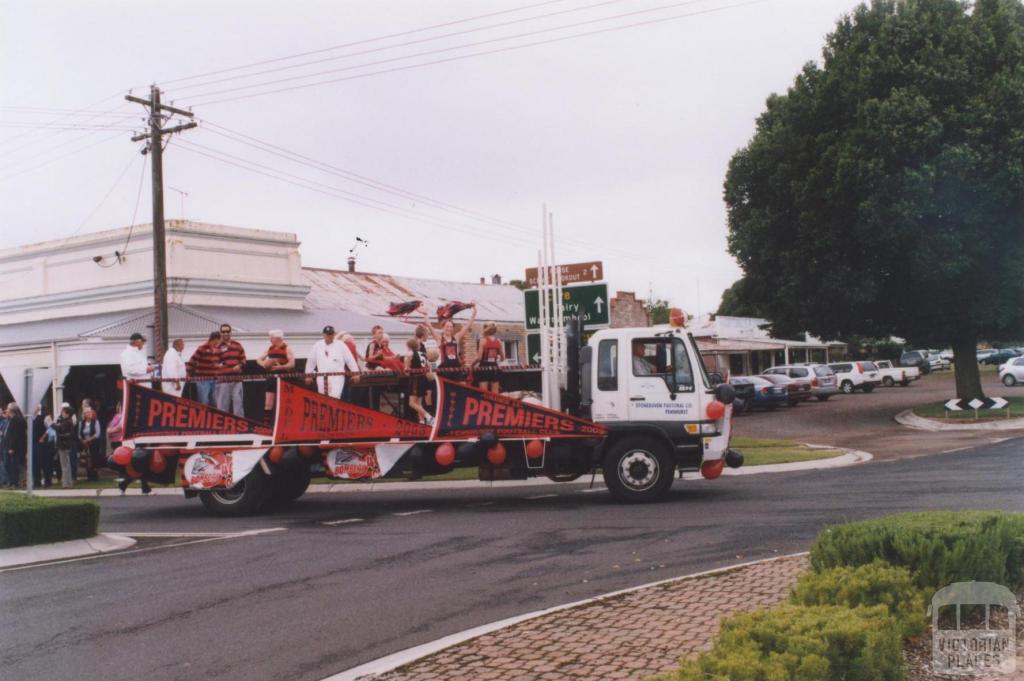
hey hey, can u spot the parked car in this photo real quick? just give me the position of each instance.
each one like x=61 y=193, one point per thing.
x=916 y=358
x=856 y=376
x=1012 y=372
x=755 y=392
x=797 y=391
x=891 y=375
x=982 y=354
x=938 y=363
x=1000 y=357
x=947 y=354
x=822 y=379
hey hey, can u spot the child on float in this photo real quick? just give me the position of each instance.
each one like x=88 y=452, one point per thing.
x=490 y=352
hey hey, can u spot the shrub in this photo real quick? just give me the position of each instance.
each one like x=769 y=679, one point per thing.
x=801 y=643
x=28 y=520
x=866 y=585
x=938 y=548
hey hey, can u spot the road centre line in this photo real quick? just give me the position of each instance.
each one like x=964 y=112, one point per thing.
x=541 y=496
x=407 y=513
x=343 y=521
x=203 y=540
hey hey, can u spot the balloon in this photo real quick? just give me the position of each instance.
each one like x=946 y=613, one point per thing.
x=715 y=410
x=275 y=454
x=132 y=473
x=122 y=456
x=535 y=449
x=712 y=469
x=308 y=451
x=445 y=454
x=496 y=454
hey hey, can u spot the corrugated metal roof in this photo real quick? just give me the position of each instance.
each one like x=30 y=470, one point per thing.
x=370 y=294
x=54 y=330
x=181 y=320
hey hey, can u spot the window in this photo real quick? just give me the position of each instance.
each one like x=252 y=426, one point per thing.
x=608 y=365
x=798 y=373
x=650 y=356
x=821 y=372
x=512 y=351
x=681 y=365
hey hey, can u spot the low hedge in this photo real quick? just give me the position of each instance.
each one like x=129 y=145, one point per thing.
x=26 y=520
x=866 y=585
x=802 y=643
x=939 y=548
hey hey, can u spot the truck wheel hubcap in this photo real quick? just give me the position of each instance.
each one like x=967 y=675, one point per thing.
x=638 y=470
x=230 y=495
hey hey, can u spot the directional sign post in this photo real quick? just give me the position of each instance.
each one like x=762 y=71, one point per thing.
x=976 y=404
x=589 y=302
x=533 y=349
x=572 y=273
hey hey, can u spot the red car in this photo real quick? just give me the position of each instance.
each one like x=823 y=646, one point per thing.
x=798 y=390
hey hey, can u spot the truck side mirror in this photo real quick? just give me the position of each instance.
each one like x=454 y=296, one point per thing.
x=715 y=378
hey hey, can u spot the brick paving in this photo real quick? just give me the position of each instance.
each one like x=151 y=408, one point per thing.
x=630 y=636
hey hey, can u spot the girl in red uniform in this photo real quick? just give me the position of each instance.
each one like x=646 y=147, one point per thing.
x=488 y=355
x=451 y=366
x=415 y=367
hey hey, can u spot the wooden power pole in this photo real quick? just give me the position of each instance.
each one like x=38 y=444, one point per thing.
x=155 y=149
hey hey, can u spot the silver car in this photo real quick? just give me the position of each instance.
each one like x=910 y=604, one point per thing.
x=822 y=379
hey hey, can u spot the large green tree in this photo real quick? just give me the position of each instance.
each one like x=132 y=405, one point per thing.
x=883 y=194
x=739 y=301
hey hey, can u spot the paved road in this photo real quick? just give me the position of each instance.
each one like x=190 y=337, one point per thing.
x=865 y=421
x=316 y=599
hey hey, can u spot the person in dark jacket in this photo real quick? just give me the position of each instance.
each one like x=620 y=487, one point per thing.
x=89 y=434
x=64 y=427
x=42 y=460
x=15 y=444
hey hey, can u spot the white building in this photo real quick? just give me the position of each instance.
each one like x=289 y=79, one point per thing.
x=73 y=303
x=740 y=346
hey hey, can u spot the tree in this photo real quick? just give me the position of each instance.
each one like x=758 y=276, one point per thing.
x=518 y=283
x=883 y=194
x=740 y=301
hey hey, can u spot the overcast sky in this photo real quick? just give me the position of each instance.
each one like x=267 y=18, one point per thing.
x=625 y=134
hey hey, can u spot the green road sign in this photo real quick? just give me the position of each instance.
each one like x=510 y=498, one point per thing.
x=589 y=302
x=533 y=348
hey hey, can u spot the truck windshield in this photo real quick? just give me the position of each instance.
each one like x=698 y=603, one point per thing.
x=702 y=367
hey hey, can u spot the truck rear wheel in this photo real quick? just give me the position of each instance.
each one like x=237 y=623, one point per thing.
x=638 y=469
x=291 y=482
x=888 y=382
x=245 y=498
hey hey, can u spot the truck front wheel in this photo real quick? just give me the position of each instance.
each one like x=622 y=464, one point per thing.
x=245 y=498
x=638 y=469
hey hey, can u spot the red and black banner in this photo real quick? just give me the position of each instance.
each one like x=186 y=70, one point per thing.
x=467 y=412
x=152 y=412
x=307 y=416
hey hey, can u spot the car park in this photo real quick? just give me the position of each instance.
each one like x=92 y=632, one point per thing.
x=939 y=361
x=822 y=379
x=797 y=391
x=1000 y=357
x=916 y=358
x=1012 y=373
x=852 y=376
x=891 y=375
x=756 y=392
x=982 y=354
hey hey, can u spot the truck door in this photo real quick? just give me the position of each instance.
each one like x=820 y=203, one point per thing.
x=659 y=382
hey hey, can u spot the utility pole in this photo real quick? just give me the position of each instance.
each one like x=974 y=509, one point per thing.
x=155 y=149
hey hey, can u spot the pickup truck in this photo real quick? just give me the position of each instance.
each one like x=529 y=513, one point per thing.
x=891 y=375
x=641 y=407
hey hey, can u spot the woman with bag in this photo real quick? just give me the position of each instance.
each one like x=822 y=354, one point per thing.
x=89 y=432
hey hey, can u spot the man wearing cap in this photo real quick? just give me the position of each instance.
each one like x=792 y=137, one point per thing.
x=330 y=356
x=134 y=365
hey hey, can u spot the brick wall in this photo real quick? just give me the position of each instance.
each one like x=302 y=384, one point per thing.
x=627 y=311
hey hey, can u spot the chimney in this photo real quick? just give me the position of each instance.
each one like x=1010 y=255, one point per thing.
x=496 y=279
x=483 y=280
x=351 y=263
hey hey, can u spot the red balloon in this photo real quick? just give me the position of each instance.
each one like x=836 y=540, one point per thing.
x=132 y=473
x=715 y=410
x=712 y=469
x=535 y=449
x=445 y=454
x=496 y=454
x=158 y=463
x=122 y=456
x=275 y=454
x=308 y=451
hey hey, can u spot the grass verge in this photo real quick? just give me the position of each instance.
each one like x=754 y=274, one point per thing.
x=759 y=451
x=28 y=520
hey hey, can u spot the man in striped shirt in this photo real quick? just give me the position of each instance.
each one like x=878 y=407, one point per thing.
x=205 y=361
x=232 y=359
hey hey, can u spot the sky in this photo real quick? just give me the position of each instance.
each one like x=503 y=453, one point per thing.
x=442 y=168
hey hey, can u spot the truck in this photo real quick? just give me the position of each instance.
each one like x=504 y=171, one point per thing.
x=639 y=407
x=891 y=375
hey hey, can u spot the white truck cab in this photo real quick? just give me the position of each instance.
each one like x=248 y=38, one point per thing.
x=650 y=388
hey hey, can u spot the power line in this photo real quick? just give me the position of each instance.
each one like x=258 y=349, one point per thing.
x=362 y=42
x=135 y=213
x=474 y=54
x=71 y=113
x=57 y=158
x=405 y=44
x=106 y=196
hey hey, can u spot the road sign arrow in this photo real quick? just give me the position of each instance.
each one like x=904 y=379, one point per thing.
x=536 y=358
x=593 y=271
x=975 y=404
x=598 y=302
x=953 y=405
x=998 y=403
